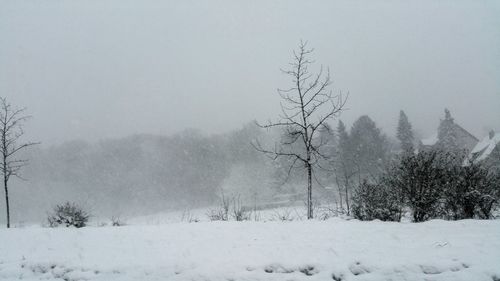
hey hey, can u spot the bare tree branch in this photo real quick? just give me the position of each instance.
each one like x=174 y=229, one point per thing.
x=11 y=131
x=308 y=100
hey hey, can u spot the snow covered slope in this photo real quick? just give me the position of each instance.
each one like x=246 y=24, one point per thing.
x=301 y=250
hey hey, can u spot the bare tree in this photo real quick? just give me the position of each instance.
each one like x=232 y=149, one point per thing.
x=306 y=108
x=11 y=131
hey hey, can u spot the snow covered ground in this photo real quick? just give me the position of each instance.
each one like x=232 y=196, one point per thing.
x=334 y=249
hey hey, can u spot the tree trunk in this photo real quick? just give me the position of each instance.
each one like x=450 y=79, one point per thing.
x=309 y=192
x=347 y=196
x=347 y=201
x=340 y=193
x=7 y=201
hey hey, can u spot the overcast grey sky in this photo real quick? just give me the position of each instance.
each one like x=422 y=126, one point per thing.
x=97 y=69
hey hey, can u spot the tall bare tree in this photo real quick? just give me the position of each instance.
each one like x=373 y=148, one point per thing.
x=306 y=107
x=11 y=131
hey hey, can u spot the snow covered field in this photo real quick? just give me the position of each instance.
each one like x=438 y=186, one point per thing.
x=335 y=249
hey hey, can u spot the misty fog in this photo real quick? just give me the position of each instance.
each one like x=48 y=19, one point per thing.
x=148 y=107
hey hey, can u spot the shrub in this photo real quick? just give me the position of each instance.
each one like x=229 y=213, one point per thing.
x=240 y=213
x=421 y=178
x=217 y=214
x=187 y=216
x=489 y=200
x=283 y=215
x=472 y=192
x=68 y=214
x=220 y=213
x=116 y=221
x=376 y=201
x=325 y=212
x=432 y=184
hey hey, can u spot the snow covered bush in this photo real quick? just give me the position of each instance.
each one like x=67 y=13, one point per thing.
x=68 y=214
x=217 y=214
x=421 y=178
x=221 y=212
x=471 y=192
x=240 y=212
x=489 y=201
x=376 y=201
x=229 y=208
x=283 y=215
x=188 y=216
x=431 y=184
x=327 y=211
x=116 y=221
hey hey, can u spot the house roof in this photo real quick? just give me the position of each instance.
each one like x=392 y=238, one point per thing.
x=430 y=141
x=484 y=148
x=466 y=132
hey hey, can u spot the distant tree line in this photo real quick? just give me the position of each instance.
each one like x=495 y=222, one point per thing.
x=365 y=174
x=146 y=173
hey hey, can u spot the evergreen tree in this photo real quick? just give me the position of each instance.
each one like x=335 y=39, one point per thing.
x=369 y=147
x=405 y=134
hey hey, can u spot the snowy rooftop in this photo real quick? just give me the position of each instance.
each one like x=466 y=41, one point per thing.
x=484 y=148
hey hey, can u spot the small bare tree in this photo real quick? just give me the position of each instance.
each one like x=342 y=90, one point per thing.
x=306 y=108
x=11 y=131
